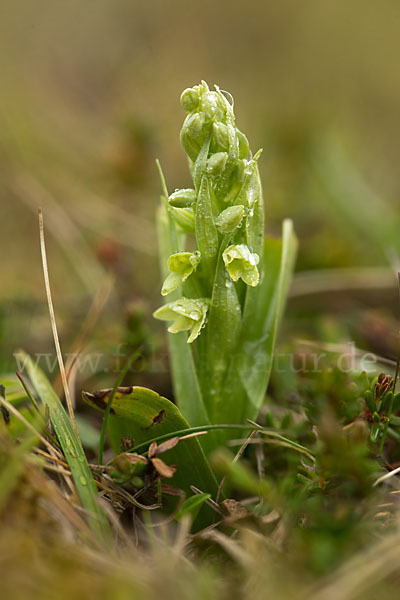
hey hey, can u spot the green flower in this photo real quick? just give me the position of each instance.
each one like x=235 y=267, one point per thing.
x=242 y=264
x=185 y=314
x=181 y=266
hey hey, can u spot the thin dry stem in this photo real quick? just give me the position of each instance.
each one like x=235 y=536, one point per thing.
x=54 y=325
x=238 y=455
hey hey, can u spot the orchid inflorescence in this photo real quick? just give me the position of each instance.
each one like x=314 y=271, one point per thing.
x=223 y=210
x=225 y=284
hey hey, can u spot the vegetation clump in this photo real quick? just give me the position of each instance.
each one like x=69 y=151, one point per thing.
x=249 y=477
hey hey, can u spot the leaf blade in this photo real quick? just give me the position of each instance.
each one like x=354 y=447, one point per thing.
x=251 y=363
x=185 y=381
x=262 y=315
x=146 y=414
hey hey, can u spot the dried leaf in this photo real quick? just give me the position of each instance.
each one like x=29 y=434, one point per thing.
x=133 y=458
x=167 y=445
x=153 y=449
x=163 y=469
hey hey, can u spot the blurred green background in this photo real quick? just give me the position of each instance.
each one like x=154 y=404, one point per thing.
x=89 y=97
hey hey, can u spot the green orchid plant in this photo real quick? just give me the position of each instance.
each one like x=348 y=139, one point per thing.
x=225 y=285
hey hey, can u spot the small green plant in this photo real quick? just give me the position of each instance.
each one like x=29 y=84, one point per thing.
x=381 y=405
x=225 y=287
x=225 y=284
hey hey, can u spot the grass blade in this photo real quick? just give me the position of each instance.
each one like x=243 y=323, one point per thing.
x=72 y=448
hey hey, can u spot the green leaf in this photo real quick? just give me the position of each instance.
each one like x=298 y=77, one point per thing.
x=72 y=448
x=199 y=167
x=222 y=329
x=186 y=385
x=251 y=361
x=145 y=415
x=262 y=314
x=206 y=231
x=191 y=506
x=255 y=215
x=185 y=382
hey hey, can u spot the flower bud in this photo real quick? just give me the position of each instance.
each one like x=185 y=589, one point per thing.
x=186 y=314
x=193 y=134
x=190 y=99
x=184 y=218
x=230 y=219
x=216 y=163
x=190 y=146
x=221 y=135
x=241 y=264
x=182 y=198
x=181 y=265
x=195 y=124
x=212 y=107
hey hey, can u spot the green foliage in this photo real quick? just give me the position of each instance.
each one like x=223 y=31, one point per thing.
x=324 y=490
